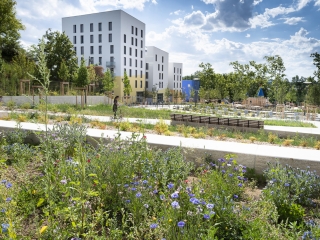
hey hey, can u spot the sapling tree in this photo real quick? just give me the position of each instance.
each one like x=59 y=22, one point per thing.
x=63 y=71
x=127 y=89
x=82 y=79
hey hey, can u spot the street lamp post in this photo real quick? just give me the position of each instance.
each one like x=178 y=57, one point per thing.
x=305 y=98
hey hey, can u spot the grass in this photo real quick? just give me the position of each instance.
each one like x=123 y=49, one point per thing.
x=288 y=123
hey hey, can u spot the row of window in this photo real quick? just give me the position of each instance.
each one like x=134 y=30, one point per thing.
x=174 y=77
x=174 y=85
x=174 y=70
x=135 y=31
x=156 y=58
x=135 y=73
x=91 y=38
x=134 y=41
x=92 y=49
x=92 y=27
x=130 y=51
x=160 y=75
x=130 y=62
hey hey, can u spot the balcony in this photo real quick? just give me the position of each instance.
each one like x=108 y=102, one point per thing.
x=110 y=64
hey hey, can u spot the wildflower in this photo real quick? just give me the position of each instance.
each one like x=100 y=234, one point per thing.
x=146 y=205
x=223 y=171
x=8 y=199
x=186 y=181
x=3 y=181
x=175 y=204
x=194 y=201
x=174 y=195
x=5 y=227
x=230 y=175
x=235 y=196
x=138 y=195
x=212 y=213
x=144 y=181
x=128 y=201
x=145 y=137
x=188 y=189
x=8 y=185
x=189 y=213
x=206 y=216
x=126 y=185
x=229 y=165
x=133 y=189
x=162 y=197
x=153 y=225
x=286 y=184
x=240 y=185
x=155 y=191
x=88 y=160
x=63 y=181
x=191 y=195
x=210 y=205
x=181 y=224
x=170 y=185
x=3 y=210
x=239 y=177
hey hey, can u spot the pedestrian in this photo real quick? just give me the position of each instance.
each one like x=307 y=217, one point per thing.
x=115 y=106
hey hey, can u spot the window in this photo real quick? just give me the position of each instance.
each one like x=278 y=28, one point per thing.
x=82 y=50
x=132 y=30
x=159 y=75
x=91 y=38
x=141 y=44
x=141 y=33
x=147 y=75
x=110 y=37
x=91 y=49
x=132 y=41
x=75 y=50
x=141 y=54
x=174 y=85
x=135 y=83
x=100 y=38
x=158 y=67
x=91 y=27
x=124 y=38
x=162 y=77
x=180 y=78
x=100 y=60
x=74 y=39
x=141 y=64
x=111 y=48
x=141 y=75
x=162 y=68
x=162 y=58
x=130 y=51
x=180 y=72
x=81 y=39
x=130 y=73
x=136 y=53
x=124 y=61
x=130 y=62
x=100 y=26
x=74 y=28
x=136 y=42
x=124 y=71
x=147 y=84
x=156 y=57
x=136 y=63
x=136 y=31
x=124 y=50
x=100 y=49
x=91 y=60
x=174 y=70
x=174 y=77
x=110 y=26
x=81 y=27
x=147 y=66
x=141 y=83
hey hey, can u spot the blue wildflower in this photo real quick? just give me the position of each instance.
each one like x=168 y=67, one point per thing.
x=3 y=210
x=8 y=199
x=128 y=201
x=286 y=184
x=162 y=197
x=3 y=181
x=5 y=227
x=170 y=185
x=126 y=185
x=153 y=225
x=138 y=195
x=194 y=201
x=240 y=185
x=174 y=195
x=144 y=181
x=191 y=195
x=223 y=171
x=235 y=196
x=155 y=191
x=175 y=204
x=206 y=216
x=181 y=224
x=210 y=205
x=133 y=189
x=230 y=175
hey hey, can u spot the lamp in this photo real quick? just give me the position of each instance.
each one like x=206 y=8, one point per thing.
x=305 y=98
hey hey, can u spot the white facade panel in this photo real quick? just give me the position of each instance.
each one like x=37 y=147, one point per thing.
x=175 y=76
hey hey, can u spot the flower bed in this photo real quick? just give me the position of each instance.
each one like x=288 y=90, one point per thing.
x=66 y=189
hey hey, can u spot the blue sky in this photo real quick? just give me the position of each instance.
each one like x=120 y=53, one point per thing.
x=209 y=31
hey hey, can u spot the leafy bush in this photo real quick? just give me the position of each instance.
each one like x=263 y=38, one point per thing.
x=161 y=127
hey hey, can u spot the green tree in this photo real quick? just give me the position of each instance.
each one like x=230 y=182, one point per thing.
x=167 y=94
x=108 y=82
x=92 y=73
x=82 y=79
x=316 y=62
x=206 y=76
x=63 y=71
x=126 y=85
x=298 y=83
x=9 y=29
x=58 y=47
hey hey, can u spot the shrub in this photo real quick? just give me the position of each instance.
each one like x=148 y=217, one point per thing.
x=252 y=139
x=180 y=128
x=25 y=105
x=11 y=105
x=161 y=127
x=210 y=132
x=317 y=145
x=222 y=136
x=290 y=212
x=167 y=133
x=22 y=118
x=272 y=138
x=125 y=126
x=287 y=142
x=303 y=143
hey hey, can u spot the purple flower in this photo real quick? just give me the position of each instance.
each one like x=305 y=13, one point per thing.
x=174 y=195
x=286 y=184
x=3 y=181
x=133 y=189
x=223 y=171
x=126 y=185
x=5 y=227
x=206 y=216
x=8 y=185
x=162 y=197
x=144 y=181
x=230 y=175
x=170 y=185
x=63 y=181
x=194 y=201
x=210 y=205
x=235 y=196
x=239 y=177
x=8 y=199
x=181 y=224
x=153 y=225
x=128 y=201
x=240 y=185
x=3 y=210
x=175 y=204
x=191 y=195
x=138 y=195
x=212 y=213
x=155 y=191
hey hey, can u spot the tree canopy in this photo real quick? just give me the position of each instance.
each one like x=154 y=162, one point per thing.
x=9 y=29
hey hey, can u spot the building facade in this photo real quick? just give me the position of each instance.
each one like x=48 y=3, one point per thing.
x=156 y=71
x=175 y=76
x=114 y=40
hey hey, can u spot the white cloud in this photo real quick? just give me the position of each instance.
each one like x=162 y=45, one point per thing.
x=195 y=18
x=178 y=12
x=248 y=35
x=192 y=6
x=293 y=20
x=256 y=2
x=302 y=3
x=317 y=3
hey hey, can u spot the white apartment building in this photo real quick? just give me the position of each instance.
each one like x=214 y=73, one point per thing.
x=175 y=76
x=114 y=40
x=156 y=70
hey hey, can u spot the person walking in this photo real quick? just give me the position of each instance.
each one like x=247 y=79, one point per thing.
x=115 y=106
